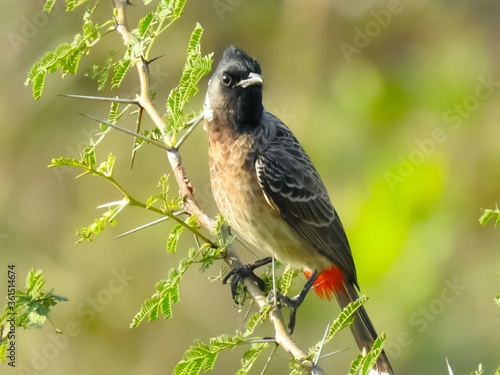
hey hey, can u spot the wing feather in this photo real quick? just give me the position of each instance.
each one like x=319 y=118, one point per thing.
x=293 y=187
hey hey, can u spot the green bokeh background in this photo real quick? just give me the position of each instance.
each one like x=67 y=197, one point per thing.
x=404 y=132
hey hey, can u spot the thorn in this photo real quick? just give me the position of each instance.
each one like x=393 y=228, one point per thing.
x=192 y=125
x=316 y=370
x=111 y=204
x=333 y=353
x=148 y=62
x=130 y=132
x=102 y=99
x=147 y=225
x=137 y=130
x=155 y=58
x=262 y=340
x=450 y=371
x=321 y=345
x=268 y=361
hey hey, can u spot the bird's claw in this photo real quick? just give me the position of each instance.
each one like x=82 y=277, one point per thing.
x=292 y=303
x=237 y=275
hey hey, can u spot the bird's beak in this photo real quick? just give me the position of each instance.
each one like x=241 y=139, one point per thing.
x=253 y=79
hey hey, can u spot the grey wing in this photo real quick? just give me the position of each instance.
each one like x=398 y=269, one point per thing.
x=293 y=187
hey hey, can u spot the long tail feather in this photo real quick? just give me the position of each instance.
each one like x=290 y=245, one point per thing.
x=331 y=282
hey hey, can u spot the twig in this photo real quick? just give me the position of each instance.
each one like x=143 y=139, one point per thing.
x=283 y=337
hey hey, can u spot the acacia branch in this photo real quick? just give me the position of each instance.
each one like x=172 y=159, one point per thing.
x=282 y=335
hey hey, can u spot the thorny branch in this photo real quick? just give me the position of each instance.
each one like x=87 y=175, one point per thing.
x=144 y=99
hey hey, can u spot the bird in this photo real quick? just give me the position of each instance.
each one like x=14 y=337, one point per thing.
x=268 y=190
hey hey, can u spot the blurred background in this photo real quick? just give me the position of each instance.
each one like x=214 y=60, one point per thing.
x=397 y=103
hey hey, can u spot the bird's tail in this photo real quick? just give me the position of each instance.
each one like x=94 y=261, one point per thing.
x=331 y=281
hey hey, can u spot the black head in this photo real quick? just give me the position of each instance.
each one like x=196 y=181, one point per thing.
x=234 y=96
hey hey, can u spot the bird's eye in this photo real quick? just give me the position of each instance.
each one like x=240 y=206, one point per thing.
x=227 y=79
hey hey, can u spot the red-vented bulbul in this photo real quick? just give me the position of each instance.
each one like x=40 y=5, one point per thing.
x=269 y=191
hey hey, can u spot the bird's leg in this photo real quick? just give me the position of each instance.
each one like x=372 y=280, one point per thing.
x=237 y=275
x=296 y=301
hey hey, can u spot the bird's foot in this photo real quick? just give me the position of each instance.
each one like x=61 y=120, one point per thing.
x=237 y=275
x=295 y=302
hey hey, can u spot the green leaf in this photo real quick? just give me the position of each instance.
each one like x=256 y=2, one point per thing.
x=488 y=214
x=178 y=8
x=107 y=167
x=164 y=10
x=364 y=362
x=3 y=350
x=345 y=317
x=113 y=112
x=209 y=255
x=285 y=281
x=167 y=293
x=356 y=364
x=49 y=4
x=250 y=356
x=121 y=68
x=101 y=73
x=202 y=356
x=343 y=320
x=173 y=238
x=370 y=358
x=72 y=4
x=87 y=160
x=162 y=196
x=72 y=62
x=88 y=156
x=256 y=319
x=89 y=28
x=195 y=68
x=38 y=83
x=34 y=282
x=100 y=224
x=479 y=370
x=66 y=57
x=47 y=64
x=145 y=23
x=32 y=305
